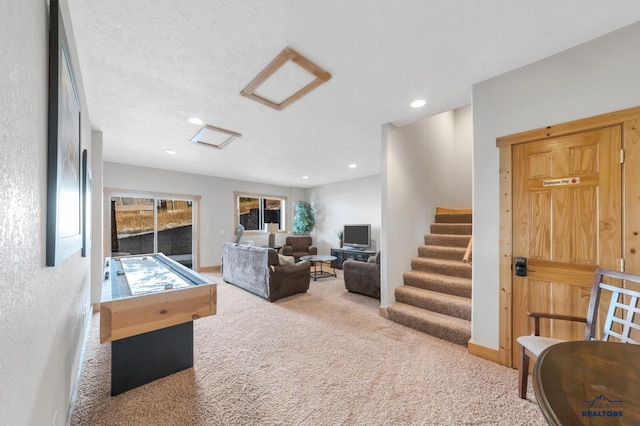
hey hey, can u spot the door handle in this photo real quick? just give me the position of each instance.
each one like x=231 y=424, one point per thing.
x=521 y=266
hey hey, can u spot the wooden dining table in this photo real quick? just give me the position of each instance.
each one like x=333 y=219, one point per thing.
x=589 y=383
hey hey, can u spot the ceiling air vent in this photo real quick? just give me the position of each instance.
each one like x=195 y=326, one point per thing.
x=214 y=136
x=286 y=79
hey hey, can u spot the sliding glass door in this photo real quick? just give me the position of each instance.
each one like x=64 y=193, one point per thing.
x=133 y=223
x=150 y=225
x=174 y=230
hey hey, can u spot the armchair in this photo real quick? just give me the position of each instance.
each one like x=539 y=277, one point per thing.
x=298 y=247
x=363 y=277
x=618 y=323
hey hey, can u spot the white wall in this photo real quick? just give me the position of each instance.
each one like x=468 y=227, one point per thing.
x=594 y=78
x=348 y=202
x=426 y=165
x=97 y=254
x=217 y=202
x=42 y=323
x=353 y=201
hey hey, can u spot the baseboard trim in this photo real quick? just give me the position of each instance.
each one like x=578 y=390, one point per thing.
x=215 y=268
x=382 y=312
x=484 y=352
x=73 y=398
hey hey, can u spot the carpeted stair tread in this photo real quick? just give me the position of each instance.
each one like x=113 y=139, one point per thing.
x=442 y=252
x=451 y=228
x=447 y=304
x=437 y=282
x=454 y=330
x=442 y=266
x=447 y=240
x=454 y=218
x=436 y=295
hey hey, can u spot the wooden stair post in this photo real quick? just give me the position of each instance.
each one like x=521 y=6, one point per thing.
x=467 y=254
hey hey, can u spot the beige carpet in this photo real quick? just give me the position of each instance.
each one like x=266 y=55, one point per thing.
x=321 y=358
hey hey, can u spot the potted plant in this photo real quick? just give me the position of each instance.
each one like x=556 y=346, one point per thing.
x=303 y=219
x=340 y=234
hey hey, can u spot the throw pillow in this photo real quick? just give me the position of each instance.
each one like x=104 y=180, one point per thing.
x=286 y=260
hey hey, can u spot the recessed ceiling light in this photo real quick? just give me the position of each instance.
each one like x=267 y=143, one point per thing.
x=305 y=177
x=170 y=152
x=353 y=166
x=197 y=121
x=418 y=103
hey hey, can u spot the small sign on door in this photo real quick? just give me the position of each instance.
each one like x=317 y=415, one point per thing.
x=561 y=181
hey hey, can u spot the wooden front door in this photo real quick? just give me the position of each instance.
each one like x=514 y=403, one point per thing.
x=567 y=219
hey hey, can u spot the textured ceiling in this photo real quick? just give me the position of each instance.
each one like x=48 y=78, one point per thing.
x=150 y=65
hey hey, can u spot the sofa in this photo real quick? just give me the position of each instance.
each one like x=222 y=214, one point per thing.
x=298 y=247
x=363 y=277
x=260 y=271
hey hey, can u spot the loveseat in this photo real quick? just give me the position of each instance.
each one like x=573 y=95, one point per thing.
x=260 y=271
x=363 y=277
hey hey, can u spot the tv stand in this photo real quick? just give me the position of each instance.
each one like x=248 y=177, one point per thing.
x=343 y=254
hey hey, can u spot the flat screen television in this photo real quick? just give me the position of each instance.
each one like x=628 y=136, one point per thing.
x=357 y=236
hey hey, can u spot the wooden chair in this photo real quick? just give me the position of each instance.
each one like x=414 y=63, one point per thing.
x=619 y=322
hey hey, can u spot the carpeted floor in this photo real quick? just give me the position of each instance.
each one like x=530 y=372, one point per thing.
x=321 y=358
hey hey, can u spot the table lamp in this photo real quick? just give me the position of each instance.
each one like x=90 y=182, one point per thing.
x=272 y=228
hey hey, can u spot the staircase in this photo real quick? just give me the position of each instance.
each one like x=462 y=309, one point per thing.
x=436 y=295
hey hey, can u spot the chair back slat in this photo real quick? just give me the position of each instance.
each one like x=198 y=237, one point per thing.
x=594 y=303
x=627 y=312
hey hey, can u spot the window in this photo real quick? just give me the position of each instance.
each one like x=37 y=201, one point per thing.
x=255 y=211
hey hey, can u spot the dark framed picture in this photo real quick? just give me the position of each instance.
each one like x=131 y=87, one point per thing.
x=86 y=204
x=64 y=221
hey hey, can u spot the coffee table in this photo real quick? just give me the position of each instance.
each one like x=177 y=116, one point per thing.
x=315 y=259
